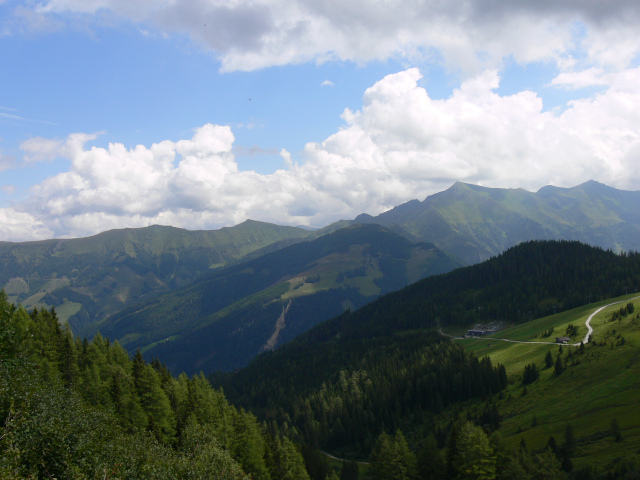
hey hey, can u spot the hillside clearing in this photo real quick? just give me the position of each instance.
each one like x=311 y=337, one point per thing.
x=596 y=387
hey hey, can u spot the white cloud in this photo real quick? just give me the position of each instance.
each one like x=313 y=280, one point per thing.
x=590 y=77
x=39 y=149
x=415 y=143
x=19 y=226
x=401 y=144
x=467 y=35
x=327 y=83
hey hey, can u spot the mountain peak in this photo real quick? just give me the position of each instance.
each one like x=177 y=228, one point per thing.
x=594 y=186
x=364 y=218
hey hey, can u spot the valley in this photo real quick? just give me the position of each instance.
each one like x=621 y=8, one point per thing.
x=149 y=288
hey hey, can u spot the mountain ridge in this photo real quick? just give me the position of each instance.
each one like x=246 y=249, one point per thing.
x=231 y=313
x=111 y=270
x=474 y=223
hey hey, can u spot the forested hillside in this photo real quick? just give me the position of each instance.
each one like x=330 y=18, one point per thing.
x=78 y=409
x=381 y=367
x=340 y=395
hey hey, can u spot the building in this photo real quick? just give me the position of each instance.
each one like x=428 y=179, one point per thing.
x=563 y=339
x=479 y=333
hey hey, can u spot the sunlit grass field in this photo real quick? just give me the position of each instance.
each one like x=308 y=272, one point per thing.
x=597 y=386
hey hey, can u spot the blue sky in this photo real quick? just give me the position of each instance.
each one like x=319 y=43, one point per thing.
x=201 y=114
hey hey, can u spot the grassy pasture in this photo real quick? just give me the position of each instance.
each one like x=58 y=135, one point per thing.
x=67 y=309
x=597 y=386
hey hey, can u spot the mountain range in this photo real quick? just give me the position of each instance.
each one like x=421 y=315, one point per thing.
x=229 y=294
x=474 y=223
x=94 y=277
x=226 y=318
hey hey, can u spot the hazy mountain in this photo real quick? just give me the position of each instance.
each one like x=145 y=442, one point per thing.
x=475 y=223
x=225 y=319
x=97 y=276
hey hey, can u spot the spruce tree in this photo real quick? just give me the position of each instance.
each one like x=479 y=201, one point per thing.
x=431 y=465
x=548 y=359
x=475 y=459
x=558 y=367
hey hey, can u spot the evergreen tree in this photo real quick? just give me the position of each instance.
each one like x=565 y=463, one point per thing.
x=568 y=448
x=431 y=465
x=391 y=458
x=558 y=367
x=284 y=461
x=615 y=430
x=553 y=445
x=403 y=462
x=379 y=466
x=452 y=452
x=548 y=359
x=476 y=459
x=546 y=467
x=531 y=374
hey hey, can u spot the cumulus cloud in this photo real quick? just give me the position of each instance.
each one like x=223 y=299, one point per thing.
x=38 y=149
x=590 y=77
x=466 y=35
x=20 y=226
x=401 y=144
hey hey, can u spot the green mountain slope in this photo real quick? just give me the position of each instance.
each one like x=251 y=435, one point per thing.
x=598 y=383
x=475 y=223
x=90 y=278
x=225 y=319
x=300 y=382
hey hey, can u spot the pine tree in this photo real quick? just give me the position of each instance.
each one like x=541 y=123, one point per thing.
x=452 y=452
x=558 y=367
x=379 y=468
x=568 y=448
x=476 y=459
x=403 y=462
x=548 y=359
x=431 y=465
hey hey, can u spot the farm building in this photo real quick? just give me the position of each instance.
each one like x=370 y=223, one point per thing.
x=479 y=333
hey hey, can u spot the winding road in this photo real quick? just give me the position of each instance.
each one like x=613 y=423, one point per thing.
x=586 y=337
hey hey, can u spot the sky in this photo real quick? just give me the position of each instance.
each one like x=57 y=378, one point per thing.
x=204 y=113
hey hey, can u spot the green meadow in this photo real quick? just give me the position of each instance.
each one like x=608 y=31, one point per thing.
x=599 y=385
